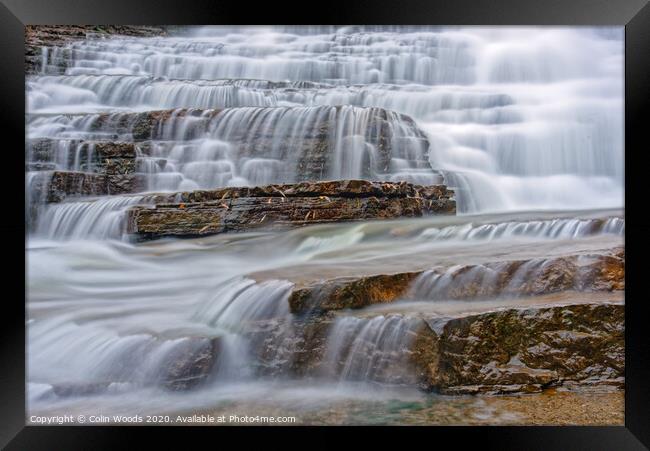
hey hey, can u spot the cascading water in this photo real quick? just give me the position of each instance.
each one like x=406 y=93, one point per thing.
x=525 y=124
x=512 y=125
x=371 y=349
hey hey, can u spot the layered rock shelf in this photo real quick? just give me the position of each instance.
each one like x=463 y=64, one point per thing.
x=309 y=153
x=73 y=168
x=280 y=206
x=590 y=272
x=560 y=325
x=551 y=336
x=570 y=340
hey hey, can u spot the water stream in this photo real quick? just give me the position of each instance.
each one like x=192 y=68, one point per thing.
x=525 y=124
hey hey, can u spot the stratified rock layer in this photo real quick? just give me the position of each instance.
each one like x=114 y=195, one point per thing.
x=105 y=168
x=239 y=209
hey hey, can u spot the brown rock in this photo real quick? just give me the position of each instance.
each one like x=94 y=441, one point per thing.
x=67 y=183
x=591 y=272
x=280 y=206
x=343 y=293
x=524 y=350
x=191 y=363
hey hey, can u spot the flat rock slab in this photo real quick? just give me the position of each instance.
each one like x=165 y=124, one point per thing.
x=198 y=213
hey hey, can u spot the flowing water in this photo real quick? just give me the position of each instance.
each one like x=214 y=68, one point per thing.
x=525 y=124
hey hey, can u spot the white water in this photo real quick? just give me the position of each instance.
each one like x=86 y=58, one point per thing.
x=115 y=314
x=371 y=349
x=518 y=120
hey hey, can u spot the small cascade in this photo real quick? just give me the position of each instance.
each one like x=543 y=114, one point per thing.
x=246 y=314
x=200 y=149
x=62 y=154
x=227 y=348
x=371 y=349
x=459 y=281
x=508 y=279
x=419 y=57
x=99 y=361
x=100 y=218
x=450 y=104
x=561 y=228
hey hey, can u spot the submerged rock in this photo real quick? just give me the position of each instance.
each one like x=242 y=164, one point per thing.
x=280 y=206
x=80 y=389
x=191 y=363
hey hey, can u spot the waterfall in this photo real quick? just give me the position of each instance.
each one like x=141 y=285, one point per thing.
x=371 y=349
x=103 y=360
x=555 y=228
x=524 y=124
x=100 y=218
x=514 y=118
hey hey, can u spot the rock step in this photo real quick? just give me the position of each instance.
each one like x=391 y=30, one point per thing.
x=48 y=149
x=82 y=168
x=239 y=209
x=145 y=125
x=57 y=186
x=574 y=341
x=108 y=158
x=589 y=272
x=523 y=350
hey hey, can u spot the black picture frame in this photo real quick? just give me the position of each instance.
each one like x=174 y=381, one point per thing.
x=633 y=14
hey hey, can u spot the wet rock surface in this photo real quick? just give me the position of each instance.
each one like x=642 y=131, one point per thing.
x=101 y=168
x=191 y=363
x=295 y=347
x=350 y=292
x=90 y=154
x=279 y=206
x=57 y=186
x=589 y=272
x=524 y=350
x=62 y=184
